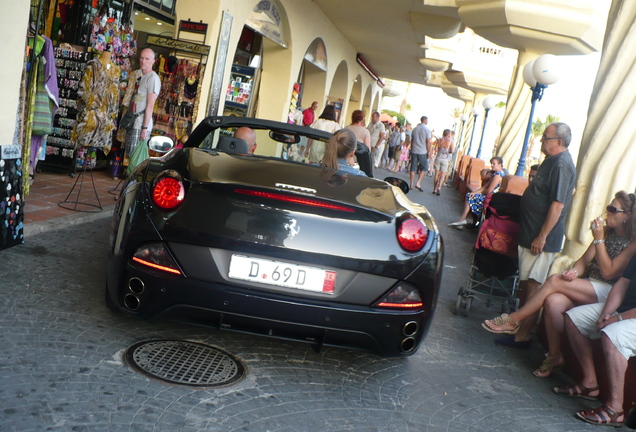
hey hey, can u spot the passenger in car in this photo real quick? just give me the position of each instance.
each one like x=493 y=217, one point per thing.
x=247 y=135
x=340 y=152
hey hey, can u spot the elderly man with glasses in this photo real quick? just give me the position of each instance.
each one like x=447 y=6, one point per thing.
x=544 y=205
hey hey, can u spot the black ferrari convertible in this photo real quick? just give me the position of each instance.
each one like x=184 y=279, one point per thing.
x=265 y=244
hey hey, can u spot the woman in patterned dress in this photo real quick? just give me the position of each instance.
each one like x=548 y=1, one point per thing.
x=475 y=200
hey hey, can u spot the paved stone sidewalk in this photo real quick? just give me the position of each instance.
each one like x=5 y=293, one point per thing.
x=61 y=367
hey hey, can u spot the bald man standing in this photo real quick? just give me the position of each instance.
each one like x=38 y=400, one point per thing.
x=148 y=88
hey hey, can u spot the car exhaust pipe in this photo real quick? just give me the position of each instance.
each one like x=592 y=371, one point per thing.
x=407 y=344
x=131 y=302
x=136 y=285
x=410 y=328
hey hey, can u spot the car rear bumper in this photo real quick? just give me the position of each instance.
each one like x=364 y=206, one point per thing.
x=383 y=331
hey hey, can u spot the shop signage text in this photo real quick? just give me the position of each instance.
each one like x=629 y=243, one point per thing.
x=179 y=45
x=193 y=27
x=10 y=151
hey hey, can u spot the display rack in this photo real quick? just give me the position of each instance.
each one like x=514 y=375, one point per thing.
x=60 y=150
x=178 y=102
x=239 y=90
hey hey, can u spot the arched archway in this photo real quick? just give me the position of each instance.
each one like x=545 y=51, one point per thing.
x=265 y=46
x=338 y=90
x=313 y=75
x=366 y=103
x=355 y=99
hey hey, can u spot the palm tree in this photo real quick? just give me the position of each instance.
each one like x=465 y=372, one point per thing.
x=456 y=114
x=538 y=127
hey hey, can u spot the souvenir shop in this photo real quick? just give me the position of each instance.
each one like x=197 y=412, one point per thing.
x=93 y=45
x=80 y=57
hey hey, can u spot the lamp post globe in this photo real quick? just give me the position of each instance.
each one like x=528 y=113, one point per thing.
x=544 y=70
x=538 y=74
x=528 y=75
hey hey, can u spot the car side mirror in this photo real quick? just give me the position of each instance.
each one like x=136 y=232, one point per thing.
x=399 y=183
x=159 y=145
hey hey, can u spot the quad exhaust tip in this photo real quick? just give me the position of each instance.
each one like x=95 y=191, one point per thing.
x=410 y=328
x=136 y=285
x=407 y=344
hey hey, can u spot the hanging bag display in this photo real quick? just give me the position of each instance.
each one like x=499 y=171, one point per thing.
x=128 y=119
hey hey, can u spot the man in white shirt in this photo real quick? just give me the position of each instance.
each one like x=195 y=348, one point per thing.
x=378 y=135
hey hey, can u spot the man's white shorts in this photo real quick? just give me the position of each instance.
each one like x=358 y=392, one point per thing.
x=533 y=266
x=621 y=333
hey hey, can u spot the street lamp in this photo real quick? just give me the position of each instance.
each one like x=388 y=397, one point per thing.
x=472 y=134
x=464 y=119
x=538 y=74
x=488 y=103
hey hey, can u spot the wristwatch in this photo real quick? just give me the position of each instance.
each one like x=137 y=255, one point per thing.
x=599 y=241
x=146 y=127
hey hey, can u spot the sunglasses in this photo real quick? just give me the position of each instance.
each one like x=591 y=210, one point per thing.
x=613 y=210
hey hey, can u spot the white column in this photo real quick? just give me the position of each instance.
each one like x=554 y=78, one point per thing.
x=608 y=148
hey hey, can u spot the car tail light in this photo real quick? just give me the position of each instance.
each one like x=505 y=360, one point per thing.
x=156 y=256
x=403 y=296
x=295 y=199
x=411 y=233
x=168 y=191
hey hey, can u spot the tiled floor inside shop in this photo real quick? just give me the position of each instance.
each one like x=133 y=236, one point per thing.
x=51 y=188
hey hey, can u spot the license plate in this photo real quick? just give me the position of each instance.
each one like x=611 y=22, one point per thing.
x=282 y=274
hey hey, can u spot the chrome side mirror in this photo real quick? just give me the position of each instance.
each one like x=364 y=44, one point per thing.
x=399 y=183
x=159 y=145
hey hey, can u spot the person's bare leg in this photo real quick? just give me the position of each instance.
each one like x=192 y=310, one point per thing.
x=579 y=291
x=419 y=179
x=582 y=349
x=554 y=309
x=412 y=177
x=437 y=184
x=530 y=287
x=616 y=365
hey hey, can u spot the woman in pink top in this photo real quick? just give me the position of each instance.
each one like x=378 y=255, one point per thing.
x=357 y=127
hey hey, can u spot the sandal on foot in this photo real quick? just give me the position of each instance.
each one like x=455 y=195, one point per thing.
x=547 y=368
x=602 y=415
x=496 y=325
x=577 y=390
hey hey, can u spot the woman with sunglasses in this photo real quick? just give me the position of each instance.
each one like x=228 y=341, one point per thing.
x=588 y=281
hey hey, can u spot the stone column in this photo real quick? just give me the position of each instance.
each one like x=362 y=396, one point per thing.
x=608 y=148
x=515 y=120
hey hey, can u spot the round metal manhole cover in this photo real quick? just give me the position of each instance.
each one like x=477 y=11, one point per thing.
x=185 y=363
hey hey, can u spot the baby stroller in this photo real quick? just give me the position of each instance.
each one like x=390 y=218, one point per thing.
x=494 y=268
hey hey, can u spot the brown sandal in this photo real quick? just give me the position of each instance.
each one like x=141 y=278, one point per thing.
x=602 y=415
x=577 y=390
x=496 y=325
x=547 y=367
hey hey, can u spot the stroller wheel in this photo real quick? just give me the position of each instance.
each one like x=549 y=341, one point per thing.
x=460 y=303
x=467 y=304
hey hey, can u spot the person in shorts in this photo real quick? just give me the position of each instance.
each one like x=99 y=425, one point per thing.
x=445 y=150
x=420 y=148
x=544 y=204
